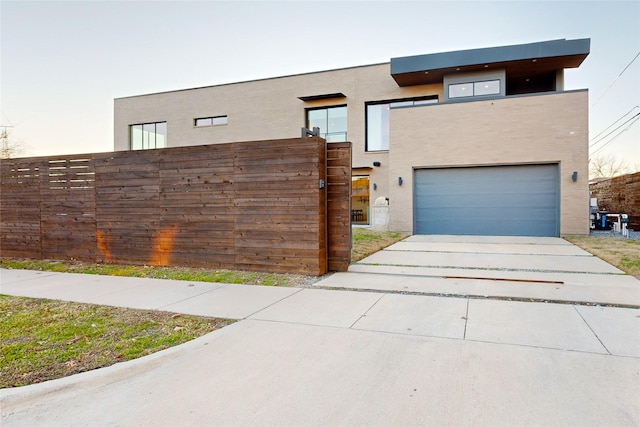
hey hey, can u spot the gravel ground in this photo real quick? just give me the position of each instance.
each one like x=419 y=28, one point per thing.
x=633 y=235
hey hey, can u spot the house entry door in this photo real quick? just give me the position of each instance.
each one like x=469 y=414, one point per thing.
x=360 y=200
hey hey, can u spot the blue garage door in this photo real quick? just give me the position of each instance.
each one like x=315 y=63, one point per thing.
x=494 y=201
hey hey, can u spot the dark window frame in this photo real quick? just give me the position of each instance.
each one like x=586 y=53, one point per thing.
x=131 y=141
x=473 y=84
x=326 y=107
x=212 y=120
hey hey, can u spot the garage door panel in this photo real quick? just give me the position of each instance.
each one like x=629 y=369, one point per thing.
x=503 y=200
x=476 y=201
x=472 y=189
x=460 y=212
x=502 y=228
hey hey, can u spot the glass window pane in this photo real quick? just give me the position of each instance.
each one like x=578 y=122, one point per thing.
x=218 y=121
x=377 y=127
x=460 y=90
x=332 y=122
x=336 y=137
x=360 y=199
x=426 y=102
x=205 y=121
x=317 y=118
x=402 y=104
x=149 y=136
x=486 y=88
x=136 y=137
x=161 y=135
x=337 y=119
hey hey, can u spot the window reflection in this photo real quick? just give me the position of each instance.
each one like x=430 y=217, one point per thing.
x=332 y=122
x=378 y=120
x=377 y=127
x=486 y=88
x=460 y=90
x=210 y=121
x=147 y=136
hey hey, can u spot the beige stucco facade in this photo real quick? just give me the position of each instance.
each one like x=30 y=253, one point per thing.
x=536 y=128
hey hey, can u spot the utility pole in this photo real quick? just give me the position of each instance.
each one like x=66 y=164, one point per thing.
x=5 y=151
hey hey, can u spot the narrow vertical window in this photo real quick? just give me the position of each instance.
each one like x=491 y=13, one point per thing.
x=377 y=119
x=377 y=127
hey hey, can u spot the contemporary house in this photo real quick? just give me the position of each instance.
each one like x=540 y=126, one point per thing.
x=482 y=141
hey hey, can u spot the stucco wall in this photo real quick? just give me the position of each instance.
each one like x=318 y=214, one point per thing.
x=549 y=128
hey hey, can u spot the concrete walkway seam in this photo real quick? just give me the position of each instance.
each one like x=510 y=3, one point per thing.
x=591 y=329
x=480 y=297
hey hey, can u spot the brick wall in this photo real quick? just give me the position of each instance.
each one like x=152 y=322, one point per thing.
x=545 y=128
x=620 y=195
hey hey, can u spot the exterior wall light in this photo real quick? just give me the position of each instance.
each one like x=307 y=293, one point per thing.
x=376 y=164
x=375 y=186
x=574 y=177
x=400 y=181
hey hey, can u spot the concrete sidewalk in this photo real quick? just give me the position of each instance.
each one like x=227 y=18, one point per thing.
x=319 y=356
x=592 y=329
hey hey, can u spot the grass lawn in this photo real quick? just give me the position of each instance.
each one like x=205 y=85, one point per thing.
x=174 y=273
x=42 y=339
x=620 y=252
x=367 y=242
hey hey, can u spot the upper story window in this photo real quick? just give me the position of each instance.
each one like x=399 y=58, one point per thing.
x=146 y=136
x=475 y=86
x=481 y=88
x=210 y=121
x=332 y=122
x=377 y=120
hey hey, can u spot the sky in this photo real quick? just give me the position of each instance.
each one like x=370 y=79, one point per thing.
x=63 y=63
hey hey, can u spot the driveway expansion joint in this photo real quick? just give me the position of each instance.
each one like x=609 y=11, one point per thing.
x=591 y=329
x=273 y=303
x=367 y=311
x=485 y=253
x=192 y=296
x=481 y=297
x=457 y=267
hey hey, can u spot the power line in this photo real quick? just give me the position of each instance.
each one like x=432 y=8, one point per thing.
x=615 y=80
x=5 y=116
x=633 y=121
x=593 y=140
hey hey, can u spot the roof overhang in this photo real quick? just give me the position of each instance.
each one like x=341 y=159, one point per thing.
x=309 y=98
x=540 y=57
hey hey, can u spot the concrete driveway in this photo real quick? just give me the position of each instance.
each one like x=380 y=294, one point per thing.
x=398 y=354
x=537 y=268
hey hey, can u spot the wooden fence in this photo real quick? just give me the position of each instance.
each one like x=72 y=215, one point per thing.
x=248 y=205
